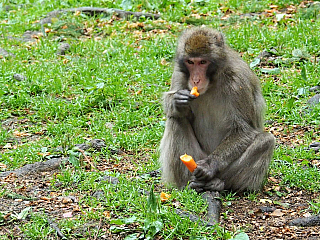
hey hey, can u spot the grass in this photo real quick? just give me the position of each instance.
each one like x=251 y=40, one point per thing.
x=109 y=86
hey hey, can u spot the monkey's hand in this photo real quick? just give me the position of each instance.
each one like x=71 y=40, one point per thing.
x=182 y=99
x=204 y=177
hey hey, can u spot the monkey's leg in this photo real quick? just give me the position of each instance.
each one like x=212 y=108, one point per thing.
x=249 y=171
x=178 y=139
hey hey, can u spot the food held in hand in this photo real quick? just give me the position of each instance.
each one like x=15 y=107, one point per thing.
x=189 y=162
x=194 y=91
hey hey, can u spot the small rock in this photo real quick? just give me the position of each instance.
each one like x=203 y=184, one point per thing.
x=98 y=194
x=264 y=54
x=109 y=125
x=19 y=77
x=82 y=146
x=63 y=48
x=30 y=36
x=58 y=149
x=155 y=173
x=314 y=100
x=265 y=209
x=269 y=122
x=315 y=146
x=112 y=180
x=5 y=53
x=97 y=144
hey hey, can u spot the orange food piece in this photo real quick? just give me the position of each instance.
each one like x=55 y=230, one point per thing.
x=194 y=91
x=164 y=196
x=189 y=162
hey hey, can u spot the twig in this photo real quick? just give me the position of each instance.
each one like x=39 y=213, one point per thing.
x=86 y=158
x=99 y=226
x=56 y=228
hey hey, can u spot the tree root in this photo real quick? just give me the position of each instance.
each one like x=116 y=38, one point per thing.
x=34 y=168
x=96 y=11
x=213 y=213
x=306 y=221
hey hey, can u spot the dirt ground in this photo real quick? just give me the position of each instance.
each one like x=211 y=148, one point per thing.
x=264 y=217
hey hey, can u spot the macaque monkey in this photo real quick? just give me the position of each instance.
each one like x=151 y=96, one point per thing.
x=222 y=129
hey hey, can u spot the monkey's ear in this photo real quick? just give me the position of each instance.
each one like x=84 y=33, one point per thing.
x=219 y=39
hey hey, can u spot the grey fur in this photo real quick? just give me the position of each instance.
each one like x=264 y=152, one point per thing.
x=223 y=127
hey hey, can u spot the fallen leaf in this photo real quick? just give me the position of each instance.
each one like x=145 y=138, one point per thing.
x=107 y=214
x=7 y=146
x=3 y=166
x=163 y=62
x=277 y=213
x=262 y=200
x=45 y=198
x=21 y=134
x=272 y=179
x=138 y=92
x=277 y=188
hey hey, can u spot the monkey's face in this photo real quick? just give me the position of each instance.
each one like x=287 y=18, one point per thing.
x=197 y=68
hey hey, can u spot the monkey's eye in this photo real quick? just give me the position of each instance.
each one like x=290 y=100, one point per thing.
x=190 y=62
x=203 y=62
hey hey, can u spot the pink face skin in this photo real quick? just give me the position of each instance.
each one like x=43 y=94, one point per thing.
x=198 y=68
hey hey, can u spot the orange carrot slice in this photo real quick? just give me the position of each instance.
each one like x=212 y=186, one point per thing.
x=189 y=162
x=194 y=91
x=164 y=196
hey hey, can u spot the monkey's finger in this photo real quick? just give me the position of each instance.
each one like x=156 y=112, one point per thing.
x=184 y=94
x=206 y=174
x=181 y=97
x=199 y=171
x=182 y=103
x=214 y=185
x=196 y=185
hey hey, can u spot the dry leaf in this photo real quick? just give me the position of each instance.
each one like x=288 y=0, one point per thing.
x=265 y=201
x=7 y=146
x=21 y=134
x=163 y=62
x=3 y=166
x=44 y=154
x=45 y=198
x=138 y=92
x=272 y=179
x=107 y=214
x=277 y=213
x=66 y=200
x=277 y=188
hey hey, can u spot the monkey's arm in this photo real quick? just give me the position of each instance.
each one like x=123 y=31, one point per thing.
x=230 y=149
